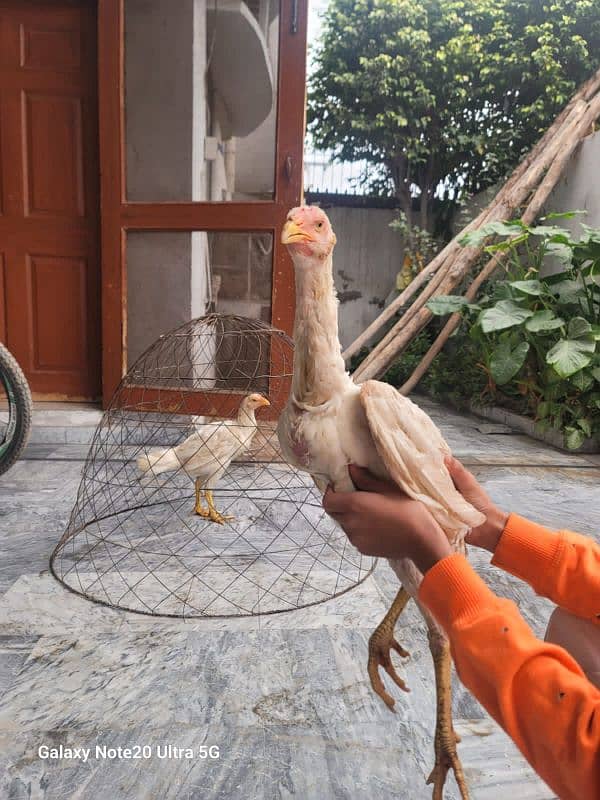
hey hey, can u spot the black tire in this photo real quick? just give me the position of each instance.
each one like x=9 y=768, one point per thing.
x=14 y=385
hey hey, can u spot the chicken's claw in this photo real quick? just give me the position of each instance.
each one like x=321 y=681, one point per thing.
x=446 y=739
x=381 y=643
x=220 y=519
x=446 y=758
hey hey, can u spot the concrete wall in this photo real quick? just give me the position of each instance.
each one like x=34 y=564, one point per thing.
x=367 y=258
x=580 y=186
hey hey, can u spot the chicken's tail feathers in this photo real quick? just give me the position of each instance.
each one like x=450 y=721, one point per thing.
x=157 y=461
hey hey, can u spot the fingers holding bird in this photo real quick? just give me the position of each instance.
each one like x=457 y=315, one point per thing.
x=381 y=520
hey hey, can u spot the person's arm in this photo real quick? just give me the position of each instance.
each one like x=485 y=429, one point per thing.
x=563 y=566
x=534 y=690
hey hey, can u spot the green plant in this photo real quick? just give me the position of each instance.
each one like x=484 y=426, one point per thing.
x=537 y=334
x=420 y=246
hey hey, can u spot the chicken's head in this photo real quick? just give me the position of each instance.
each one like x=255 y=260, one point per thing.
x=308 y=234
x=253 y=401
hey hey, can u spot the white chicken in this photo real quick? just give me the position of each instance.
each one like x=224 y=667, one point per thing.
x=207 y=453
x=330 y=422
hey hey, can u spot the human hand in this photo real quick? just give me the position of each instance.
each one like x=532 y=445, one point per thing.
x=381 y=520
x=488 y=534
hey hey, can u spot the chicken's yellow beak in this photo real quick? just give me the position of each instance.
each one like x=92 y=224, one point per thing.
x=263 y=402
x=292 y=232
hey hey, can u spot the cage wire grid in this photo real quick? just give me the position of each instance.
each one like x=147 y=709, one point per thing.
x=134 y=540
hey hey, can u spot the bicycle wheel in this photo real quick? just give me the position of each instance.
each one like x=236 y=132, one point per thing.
x=15 y=411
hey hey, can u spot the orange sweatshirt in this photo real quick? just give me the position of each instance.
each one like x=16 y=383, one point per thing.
x=534 y=690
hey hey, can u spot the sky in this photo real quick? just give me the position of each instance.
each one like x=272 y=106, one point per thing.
x=315 y=7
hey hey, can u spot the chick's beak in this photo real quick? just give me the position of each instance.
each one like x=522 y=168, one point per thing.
x=292 y=232
x=263 y=402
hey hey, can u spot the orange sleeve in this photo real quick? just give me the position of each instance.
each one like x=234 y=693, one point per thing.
x=534 y=690
x=563 y=566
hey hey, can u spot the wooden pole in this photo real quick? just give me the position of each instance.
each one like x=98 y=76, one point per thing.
x=529 y=216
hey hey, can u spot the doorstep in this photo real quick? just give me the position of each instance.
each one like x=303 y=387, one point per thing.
x=62 y=423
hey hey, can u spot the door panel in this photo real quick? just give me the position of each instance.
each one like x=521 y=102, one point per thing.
x=53 y=165
x=49 y=193
x=50 y=48
x=60 y=330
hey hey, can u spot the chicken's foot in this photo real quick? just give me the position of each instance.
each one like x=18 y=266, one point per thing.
x=381 y=643
x=446 y=739
x=214 y=514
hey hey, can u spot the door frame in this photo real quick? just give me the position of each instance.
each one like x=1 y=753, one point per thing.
x=118 y=215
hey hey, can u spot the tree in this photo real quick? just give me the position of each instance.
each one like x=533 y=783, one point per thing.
x=446 y=95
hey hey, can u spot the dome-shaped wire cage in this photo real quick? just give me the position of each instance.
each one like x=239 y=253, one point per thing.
x=136 y=540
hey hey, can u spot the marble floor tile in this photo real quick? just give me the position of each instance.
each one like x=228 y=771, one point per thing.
x=285 y=697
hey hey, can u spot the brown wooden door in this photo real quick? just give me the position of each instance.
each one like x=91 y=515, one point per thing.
x=49 y=259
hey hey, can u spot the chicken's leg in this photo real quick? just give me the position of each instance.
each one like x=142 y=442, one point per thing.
x=446 y=739
x=381 y=643
x=199 y=508
x=214 y=514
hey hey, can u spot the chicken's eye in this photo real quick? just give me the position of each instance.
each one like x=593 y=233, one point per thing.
x=319 y=225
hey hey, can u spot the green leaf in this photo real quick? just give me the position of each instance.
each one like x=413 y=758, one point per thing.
x=584 y=424
x=548 y=230
x=503 y=315
x=596 y=373
x=568 y=356
x=512 y=228
x=477 y=237
x=582 y=380
x=528 y=287
x=579 y=328
x=564 y=214
x=446 y=304
x=562 y=252
x=544 y=321
x=569 y=292
x=574 y=437
x=506 y=362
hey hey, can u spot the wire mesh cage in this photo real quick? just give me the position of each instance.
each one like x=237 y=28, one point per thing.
x=186 y=506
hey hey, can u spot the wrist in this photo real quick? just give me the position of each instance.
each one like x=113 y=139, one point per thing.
x=431 y=549
x=493 y=529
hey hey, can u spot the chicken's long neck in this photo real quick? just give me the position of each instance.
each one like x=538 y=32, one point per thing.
x=246 y=417
x=319 y=369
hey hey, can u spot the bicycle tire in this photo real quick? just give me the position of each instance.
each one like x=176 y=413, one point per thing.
x=20 y=408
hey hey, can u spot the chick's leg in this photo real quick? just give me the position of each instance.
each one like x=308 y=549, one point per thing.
x=214 y=514
x=199 y=508
x=381 y=644
x=446 y=756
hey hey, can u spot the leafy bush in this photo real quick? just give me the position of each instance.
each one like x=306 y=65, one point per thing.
x=536 y=336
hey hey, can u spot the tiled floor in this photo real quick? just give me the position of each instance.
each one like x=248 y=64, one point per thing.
x=285 y=697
